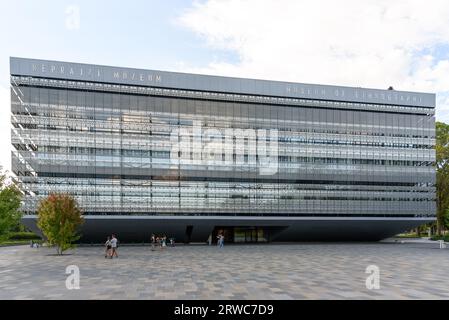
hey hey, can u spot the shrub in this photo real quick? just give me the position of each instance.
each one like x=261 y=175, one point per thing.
x=23 y=236
x=442 y=237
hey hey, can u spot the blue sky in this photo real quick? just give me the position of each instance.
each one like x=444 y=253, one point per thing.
x=132 y=33
x=371 y=43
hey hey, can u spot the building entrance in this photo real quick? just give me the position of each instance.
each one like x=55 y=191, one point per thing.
x=242 y=234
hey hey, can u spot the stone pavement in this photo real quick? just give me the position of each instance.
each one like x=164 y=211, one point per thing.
x=268 y=271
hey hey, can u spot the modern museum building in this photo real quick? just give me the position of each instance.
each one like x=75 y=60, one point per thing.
x=190 y=156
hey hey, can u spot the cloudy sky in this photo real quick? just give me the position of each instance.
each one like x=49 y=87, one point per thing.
x=370 y=43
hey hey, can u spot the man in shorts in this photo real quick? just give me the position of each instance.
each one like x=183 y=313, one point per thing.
x=114 y=246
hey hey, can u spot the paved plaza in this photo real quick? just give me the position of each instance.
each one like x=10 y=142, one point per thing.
x=270 y=271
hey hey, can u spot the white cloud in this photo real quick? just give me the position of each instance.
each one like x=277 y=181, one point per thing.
x=443 y=107
x=5 y=125
x=358 y=43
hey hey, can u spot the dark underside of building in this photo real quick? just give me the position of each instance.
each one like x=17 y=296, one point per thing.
x=139 y=229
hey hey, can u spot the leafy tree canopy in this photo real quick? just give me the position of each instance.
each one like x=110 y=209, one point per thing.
x=442 y=166
x=59 y=218
x=10 y=199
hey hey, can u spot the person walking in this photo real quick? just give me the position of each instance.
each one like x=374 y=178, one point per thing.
x=114 y=246
x=221 y=241
x=107 y=245
x=164 y=241
x=209 y=240
x=153 y=241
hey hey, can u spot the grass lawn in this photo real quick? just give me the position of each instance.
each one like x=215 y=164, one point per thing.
x=13 y=242
x=20 y=238
x=409 y=235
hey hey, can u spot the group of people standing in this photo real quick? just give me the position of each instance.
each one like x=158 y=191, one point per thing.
x=111 y=247
x=111 y=243
x=220 y=240
x=160 y=241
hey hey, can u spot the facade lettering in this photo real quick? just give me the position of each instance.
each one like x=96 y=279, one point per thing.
x=83 y=72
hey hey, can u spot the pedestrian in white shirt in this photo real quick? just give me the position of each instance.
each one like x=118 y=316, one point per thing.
x=114 y=246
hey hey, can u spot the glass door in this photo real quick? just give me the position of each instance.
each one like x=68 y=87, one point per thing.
x=251 y=235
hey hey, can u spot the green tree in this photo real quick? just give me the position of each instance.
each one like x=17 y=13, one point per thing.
x=59 y=218
x=10 y=214
x=442 y=180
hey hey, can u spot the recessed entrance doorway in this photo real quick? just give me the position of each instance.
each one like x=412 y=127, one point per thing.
x=244 y=234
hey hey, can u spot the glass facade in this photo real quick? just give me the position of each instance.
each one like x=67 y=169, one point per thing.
x=143 y=150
